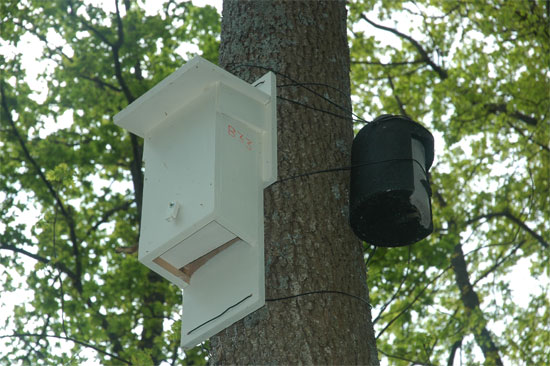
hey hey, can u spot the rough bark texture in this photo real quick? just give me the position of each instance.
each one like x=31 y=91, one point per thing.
x=309 y=245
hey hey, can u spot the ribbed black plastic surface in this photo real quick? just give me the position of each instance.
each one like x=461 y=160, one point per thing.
x=382 y=182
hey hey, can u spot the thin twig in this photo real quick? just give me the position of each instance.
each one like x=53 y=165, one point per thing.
x=515 y=220
x=423 y=54
x=82 y=343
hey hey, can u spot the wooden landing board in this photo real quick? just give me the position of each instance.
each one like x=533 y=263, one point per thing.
x=187 y=271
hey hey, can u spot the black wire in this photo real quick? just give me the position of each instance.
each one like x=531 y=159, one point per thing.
x=356 y=119
x=218 y=316
x=320 y=292
x=280 y=299
x=302 y=85
x=313 y=173
x=321 y=110
x=348 y=168
x=232 y=66
x=316 y=84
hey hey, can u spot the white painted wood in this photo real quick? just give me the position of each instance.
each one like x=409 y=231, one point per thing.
x=210 y=149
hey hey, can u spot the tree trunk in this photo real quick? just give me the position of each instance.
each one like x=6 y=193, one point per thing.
x=310 y=249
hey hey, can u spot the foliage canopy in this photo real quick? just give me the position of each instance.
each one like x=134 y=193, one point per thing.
x=475 y=73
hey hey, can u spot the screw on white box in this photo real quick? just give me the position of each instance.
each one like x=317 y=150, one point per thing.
x=211 y=147
x=172 y=212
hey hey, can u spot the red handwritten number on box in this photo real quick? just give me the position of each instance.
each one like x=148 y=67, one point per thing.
x=231 y=131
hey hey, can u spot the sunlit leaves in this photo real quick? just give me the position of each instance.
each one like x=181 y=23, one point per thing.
x=74 y=169
x=491 y=109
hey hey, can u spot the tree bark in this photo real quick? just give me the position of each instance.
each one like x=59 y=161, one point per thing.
x=309 y=247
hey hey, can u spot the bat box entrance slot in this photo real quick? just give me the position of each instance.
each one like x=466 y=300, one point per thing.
x=187 y=271
x=190 y=254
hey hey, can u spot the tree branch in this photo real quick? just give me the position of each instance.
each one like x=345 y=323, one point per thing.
x=102 y=84
x=402 y=358
x=57 y=198
x=406 y=308
x=452 y=353
x=116 y=58
x=88 y=345
x=137 y=150
x=114 y=339
x=120 y=31
x=501 y=260
x=431 y=16
x=403 y=279
x=502 y=108
x=137 y=173
x=175 y=354
x=530 y=138
x=397 y=99
x=44 y=331
x=423 y=54
x=106 y=216
x=470 y=300
x=516 y=221
x=153 y=325
x=26 y=152
x=87 y=25
x=57 y=50
x=60 y=266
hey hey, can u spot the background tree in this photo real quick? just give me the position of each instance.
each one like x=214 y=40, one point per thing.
x=99 y=61
x=475 y=73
